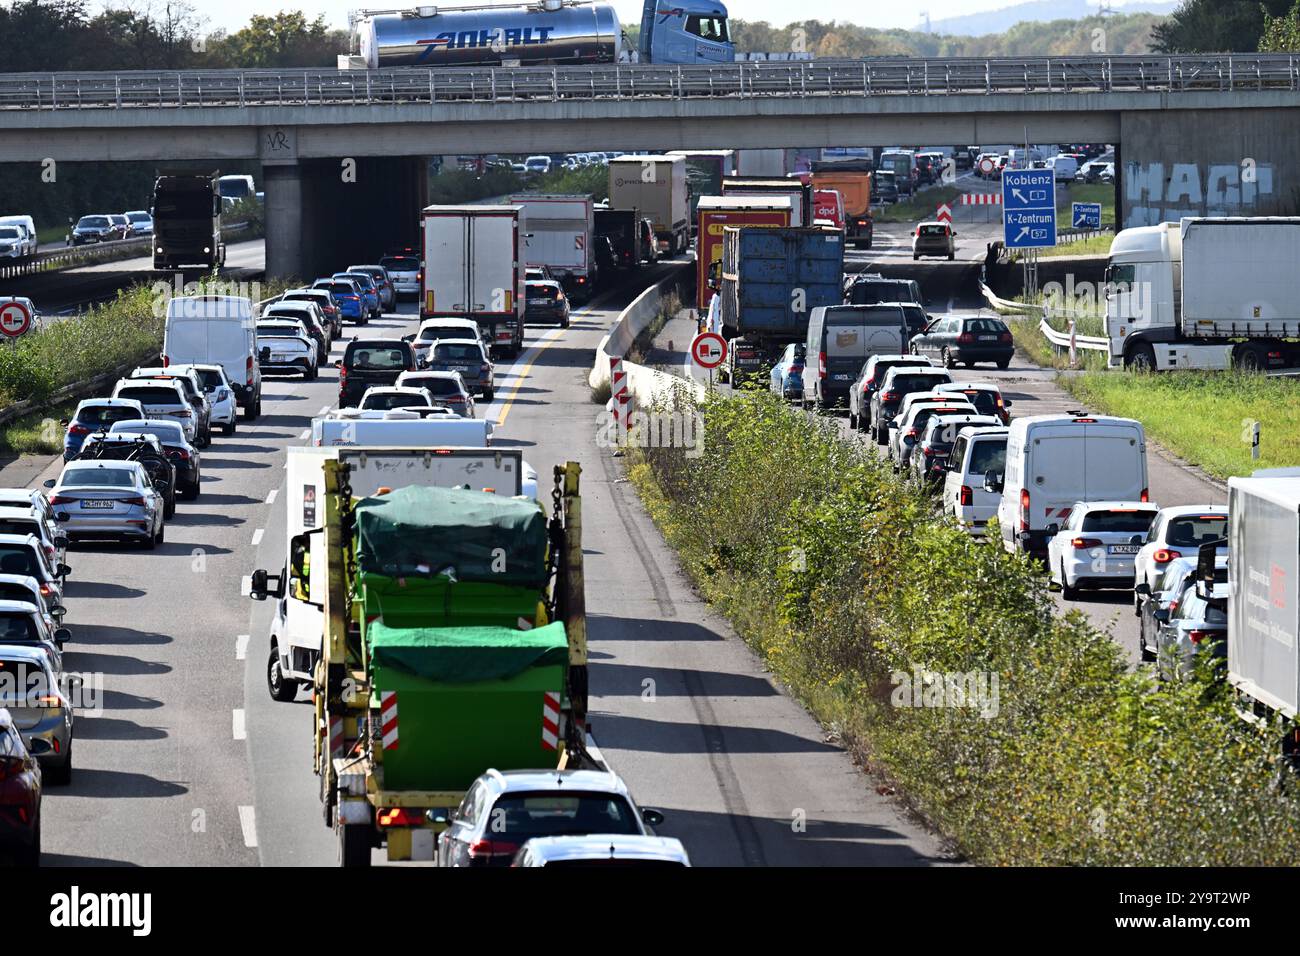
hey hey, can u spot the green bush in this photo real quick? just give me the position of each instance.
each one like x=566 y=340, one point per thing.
x=844 y=580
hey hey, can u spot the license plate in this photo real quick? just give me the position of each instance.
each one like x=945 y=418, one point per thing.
x=988 y=338
x=841 y=376
x=280 y=357
x=1123 y=549
x=96 y=504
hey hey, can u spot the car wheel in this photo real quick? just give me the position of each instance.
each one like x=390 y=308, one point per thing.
x=951 y=256
x=1140 y=358
x=853 y=421
x=282 y=688
x=61 y=775
x=192 y=491
x=31 y=855
x=229 y=428
x=169 y=508
x=1004 y=363
x=149 y=541
x=947 y=359
x=1067 y=592
x=1146 y=653
x=489 y=394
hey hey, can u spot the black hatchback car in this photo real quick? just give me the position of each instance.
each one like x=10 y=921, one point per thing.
x=546 y=302
x=962 y=339
x=368 y=362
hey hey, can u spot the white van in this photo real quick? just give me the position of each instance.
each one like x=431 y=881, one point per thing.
x=217 y=330
x=840 y=340
x=1064 y=167
x=977 y=451
x=1055 y=460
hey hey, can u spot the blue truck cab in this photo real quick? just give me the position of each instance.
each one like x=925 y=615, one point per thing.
x=685 y=31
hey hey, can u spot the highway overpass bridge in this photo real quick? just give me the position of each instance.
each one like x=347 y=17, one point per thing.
x=1198 y=134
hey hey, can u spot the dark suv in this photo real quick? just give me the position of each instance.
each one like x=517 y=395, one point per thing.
x=368 y=362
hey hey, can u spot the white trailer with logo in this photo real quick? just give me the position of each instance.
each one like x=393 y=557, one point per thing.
x=559 y=237
x=656 y=185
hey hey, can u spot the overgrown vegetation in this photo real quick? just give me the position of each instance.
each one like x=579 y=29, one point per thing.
x=920 y=207
x=844 y=582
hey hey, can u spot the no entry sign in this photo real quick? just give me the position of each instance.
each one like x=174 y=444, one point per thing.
x=708 y=350
x=15 y=318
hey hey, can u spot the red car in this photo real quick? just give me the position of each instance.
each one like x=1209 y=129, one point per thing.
x=20 y=796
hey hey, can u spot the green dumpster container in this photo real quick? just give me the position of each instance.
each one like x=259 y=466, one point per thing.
x=467 y=698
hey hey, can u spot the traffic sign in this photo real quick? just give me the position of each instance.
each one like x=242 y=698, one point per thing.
x=986 y=166
x=15 y=318
x=1029 y=204
x=944 y=213
x=1085 y=215
x=708 y=350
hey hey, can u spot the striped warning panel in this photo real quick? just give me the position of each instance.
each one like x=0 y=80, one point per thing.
x=388 y=718
x=981 y=199
x=550 y=720
x=336 y=736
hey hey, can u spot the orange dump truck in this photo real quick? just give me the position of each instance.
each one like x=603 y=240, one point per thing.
x=852 y=179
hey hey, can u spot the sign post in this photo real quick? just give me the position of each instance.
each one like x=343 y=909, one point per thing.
x=944 y=213
x=1029 y=216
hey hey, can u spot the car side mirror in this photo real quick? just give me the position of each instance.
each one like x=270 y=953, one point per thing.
x=49 y=483
x=61 y=541
x=64 y=422
x=62 y=635
x=62 y=516
x=258 y=587
x=1006 y=403
x=993 y=482
x=909 y=440
x=1142 y=589
x=1053 y=529
x=1160 y=615
x=64 y=570
x=338 y=363
x=651 y=818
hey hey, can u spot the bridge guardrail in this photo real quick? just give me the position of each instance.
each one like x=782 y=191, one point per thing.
x=875 y=76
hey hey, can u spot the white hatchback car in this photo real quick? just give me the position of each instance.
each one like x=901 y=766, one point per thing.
x=1177 y=532
x=221 y=396
x=1097 y=546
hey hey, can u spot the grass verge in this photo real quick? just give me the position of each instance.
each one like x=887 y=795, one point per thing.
x=1205 y=418
x=38 y=433
x=920 y=207
x=856 y=598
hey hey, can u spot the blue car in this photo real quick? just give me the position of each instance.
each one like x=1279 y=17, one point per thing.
x=368 y=288
x=96 y=415
x=351 y=300
x=787 y=373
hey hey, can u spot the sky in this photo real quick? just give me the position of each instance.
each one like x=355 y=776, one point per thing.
x=232 y=14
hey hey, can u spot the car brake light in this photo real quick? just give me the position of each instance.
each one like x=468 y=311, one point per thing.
x=966 y=496
x=1004 y=337
x=399 y=817
x=1145 y=497
x=821 y=364
x=1085 y=543
x=888 y=396
x=137 y=500
x=61 y=500
x=166 y=361
x=1196 y=636
x=46 y=590
x=1165 y=555
x=1024 y=509
x=965 y=338
x=248 y=371
x=78 y=429
x=1090 y=421
x=180 y=453
x=487 y=849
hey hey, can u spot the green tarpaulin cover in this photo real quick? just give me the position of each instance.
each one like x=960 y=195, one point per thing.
x=459 y=655
x=467 y=535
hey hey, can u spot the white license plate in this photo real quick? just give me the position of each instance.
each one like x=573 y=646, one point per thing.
x=96 y=504
x=1123 y=549
x=281 y=357
x=842 y=376
x=988 y=338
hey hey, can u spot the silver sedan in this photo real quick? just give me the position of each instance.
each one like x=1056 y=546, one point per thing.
x=108 y=499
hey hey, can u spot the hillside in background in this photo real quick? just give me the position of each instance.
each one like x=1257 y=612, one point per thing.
x=1129 y=33
x=1038 y=11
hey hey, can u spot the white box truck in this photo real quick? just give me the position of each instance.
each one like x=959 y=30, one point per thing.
x=1263 y=597
x=1205 y=293
x=761 y=162
x=399 y=428
x=1054 y=461
x=559 y=237
x=296 y=623
x=474 y=269
x=656 y=185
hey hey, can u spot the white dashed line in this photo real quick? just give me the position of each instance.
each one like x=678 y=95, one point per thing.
x=270 y=496
x=237 y=724
x=257 y=537
x=241 y=647
x=245 y=585
x=306 y=433
x=324 y=410
x=248 y=823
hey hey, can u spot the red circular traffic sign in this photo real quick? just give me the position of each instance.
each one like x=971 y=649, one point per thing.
x=15 y=318
x=708 y=350
x=986 y=165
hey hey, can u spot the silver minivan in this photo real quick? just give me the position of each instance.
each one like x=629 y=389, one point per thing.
x=840 y=340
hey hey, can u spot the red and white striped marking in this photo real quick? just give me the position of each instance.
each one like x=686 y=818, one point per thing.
x=981 y=199
x=944 y=213
x=388 y=718
x=617 y=377
x=550 y=720
x=336 y=736
x=1060 y=512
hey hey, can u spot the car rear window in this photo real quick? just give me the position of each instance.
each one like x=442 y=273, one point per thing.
x=377 y=356
x=167 y=434
x=436 y=384
x=984 y=325
x=400 y=264
x=1193 y=531
x=389 y=400
x=1123 y=521
x=12 y=591
x=917 y=383
x=517 y=817
x=277 y=331
x=870 y=293
x=932 y=230
x=434 y=332
x=542 y=291
x=151 y=395
x=211 y=378
x=15 y=626
x=362 y=280
x=454 y=352
x=19 y=559
x=985 y=402
x=101 y=477
x=989 y=454
x=302 y=315
x=341 y=288
x=105 y=414
x=882 y=369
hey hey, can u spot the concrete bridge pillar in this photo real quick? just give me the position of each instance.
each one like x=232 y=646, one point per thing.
x=283 y=186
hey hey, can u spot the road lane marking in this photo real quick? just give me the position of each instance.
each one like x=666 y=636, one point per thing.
x=241 y=647
x=270 y=496
x=237 y=724
x=324 y=410
x=248 y=823
x=257 y=537
x=306 y=433
x=534 y=352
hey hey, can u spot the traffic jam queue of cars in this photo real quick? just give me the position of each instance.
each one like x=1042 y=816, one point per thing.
x=1069 y=489
x=131 y=454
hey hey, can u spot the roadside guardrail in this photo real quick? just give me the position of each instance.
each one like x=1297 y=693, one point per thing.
x=1095 y=343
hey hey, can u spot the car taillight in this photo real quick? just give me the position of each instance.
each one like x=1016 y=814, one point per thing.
x=46 y=590
x=1024 y=509
x=185 y=413
x=78 y=429
x=488 y=849
x=1165 y=555
x=888 y=396
x=1196 y=635
x=1004 y=337
x=248 y=371
x=180 y=453
x=166 y=361
x=399 y=817
x=821 y=364
x=11 y=768
x=965 y=338
x=965 y=496
x=911 y=432
x=1145 y=497
x=137 y=500
x=1085 y=543
x=61 y=500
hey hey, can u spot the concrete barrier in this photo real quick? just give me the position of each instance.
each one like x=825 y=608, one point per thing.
x=645 y=385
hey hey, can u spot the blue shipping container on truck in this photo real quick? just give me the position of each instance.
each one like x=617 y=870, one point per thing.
x=772 y=279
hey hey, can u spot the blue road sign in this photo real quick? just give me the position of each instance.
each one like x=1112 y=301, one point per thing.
x=1085 y=215
x=1029 y=208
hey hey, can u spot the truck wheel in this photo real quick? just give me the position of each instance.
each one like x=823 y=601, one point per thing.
x=355 y=843
x=1140 y=358
x=1250 y=357
x=282 y=688
x=489 y=394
